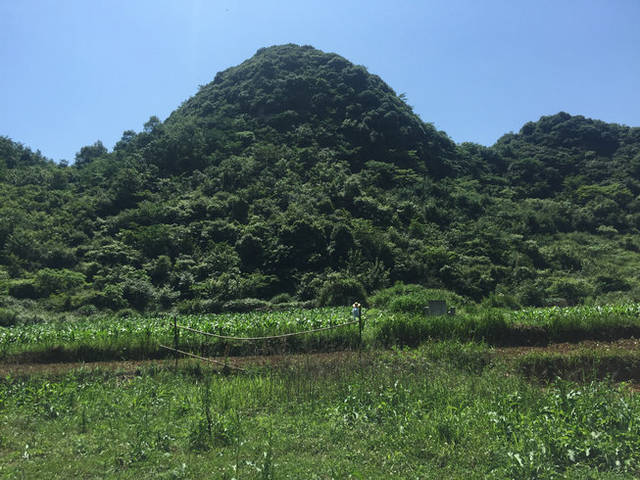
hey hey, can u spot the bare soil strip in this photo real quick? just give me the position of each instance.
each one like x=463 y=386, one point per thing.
x=626 y=344
x=131 y=366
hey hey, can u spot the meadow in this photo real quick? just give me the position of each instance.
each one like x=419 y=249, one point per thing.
x=443 y=410
x=420 y=397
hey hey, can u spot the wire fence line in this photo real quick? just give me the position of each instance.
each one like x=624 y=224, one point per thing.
x=189 y=354
x=272 y=337
x=177 y=328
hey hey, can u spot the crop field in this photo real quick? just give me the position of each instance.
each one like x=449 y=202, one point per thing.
x=424 y=397
x=137 y=337
x=105 y=337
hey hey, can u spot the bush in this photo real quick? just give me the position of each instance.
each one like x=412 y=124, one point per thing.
x=308 y=286
x=126 y=313
x=490 y=325
x=282 y=307
x=531 y=294
x=8 y=317
x=199 y=306
x=574 y=291
x=341 y=290
x=87 y=310
x=60 y=302
x=245 y=305
x=23 y=289
x=281 y=298
x=187 y=307
x=138 y=293
x=611 y=283
x=49 y=280
x=408 y=304
x=167 y=297
x=413 y=298
x=110 y=297
x=501 y=300
x=404 y=329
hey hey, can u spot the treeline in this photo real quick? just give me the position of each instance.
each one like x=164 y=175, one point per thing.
x=297 y=176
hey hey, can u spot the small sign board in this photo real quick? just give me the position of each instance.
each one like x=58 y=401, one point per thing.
x=437 y=307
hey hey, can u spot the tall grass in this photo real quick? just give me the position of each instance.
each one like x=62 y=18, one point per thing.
x=403 y=414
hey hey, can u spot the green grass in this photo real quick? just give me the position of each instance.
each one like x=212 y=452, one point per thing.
x=444 y=410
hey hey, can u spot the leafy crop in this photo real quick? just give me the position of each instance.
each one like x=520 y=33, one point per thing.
x=140 y=336
x=573 y=323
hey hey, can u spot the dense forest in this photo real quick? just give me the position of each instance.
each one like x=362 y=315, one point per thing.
x=300 y=177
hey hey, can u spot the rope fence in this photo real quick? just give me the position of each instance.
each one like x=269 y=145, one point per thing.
x=177 y=328
x=189 y=354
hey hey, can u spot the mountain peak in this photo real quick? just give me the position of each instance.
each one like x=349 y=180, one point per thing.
x=299 y=95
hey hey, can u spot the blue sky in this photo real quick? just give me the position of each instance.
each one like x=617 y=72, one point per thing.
x=74 y=72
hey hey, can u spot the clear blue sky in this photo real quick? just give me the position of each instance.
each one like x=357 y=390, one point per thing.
x=77 y=71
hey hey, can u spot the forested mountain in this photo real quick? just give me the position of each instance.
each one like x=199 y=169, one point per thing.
x=297 y=175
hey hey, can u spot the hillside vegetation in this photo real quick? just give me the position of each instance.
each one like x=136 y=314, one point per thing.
x=300 y=177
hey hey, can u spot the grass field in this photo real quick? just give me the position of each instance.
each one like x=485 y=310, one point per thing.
x=444 y=410
x=427 y=397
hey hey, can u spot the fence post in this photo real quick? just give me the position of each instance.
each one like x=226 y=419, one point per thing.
x=176 y=338
x=357 y=312
x=360 y=324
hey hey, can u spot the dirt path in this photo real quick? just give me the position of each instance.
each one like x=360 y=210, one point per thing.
x=131 y=366
x=627 y=344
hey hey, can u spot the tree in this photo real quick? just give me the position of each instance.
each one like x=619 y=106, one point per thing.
x=89 y=153
x=152 y=124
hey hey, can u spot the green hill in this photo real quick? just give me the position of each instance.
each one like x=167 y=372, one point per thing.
x=297 y=174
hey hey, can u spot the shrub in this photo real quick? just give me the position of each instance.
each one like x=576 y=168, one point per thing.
x=490 y=325
x=501 y=300
x=138 y=293
x=188 y=307
x=245 y=305
x=87 y=310
x=309 y=286
x=408 y=303
x=572 y=290
x=199 y=306
x=611 y=283
x=60 y=302
x=281 y=298
x=283 y=307
x=341 y=290
x=413 y=298
x=167 y=297
x=23 y=289
x=532 y=293
x=110 y=297
x=8 y=317
x=49 y=280
x=126 y=313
